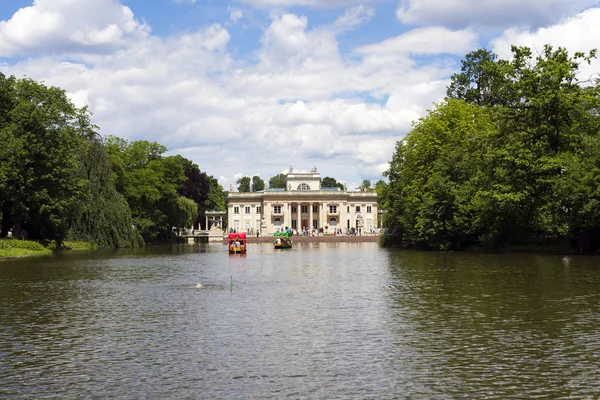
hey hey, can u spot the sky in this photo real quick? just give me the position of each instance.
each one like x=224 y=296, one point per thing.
x=254 y=87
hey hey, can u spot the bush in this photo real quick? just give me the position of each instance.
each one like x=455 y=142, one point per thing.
x=20 y=244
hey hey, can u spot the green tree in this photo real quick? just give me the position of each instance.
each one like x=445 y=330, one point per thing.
x=39 y=179
x=479 y=80
x=216 y=196
x=150 y=183
x=329 y=182
x=278 y=181
x=365 y=186
x=243 y=184
x=196 y=187
x=103 y=217
x=509 y=157
x=258 y=185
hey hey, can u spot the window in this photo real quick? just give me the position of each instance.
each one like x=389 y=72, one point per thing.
x=357 y=208
x=293 y=209
x=236 y=210
x=369 y=209
x=315 y=209
x=277 y=209
x=303 y=186
x=294 y=224
x=304 y=209
x=236 y=224
x=315 y=224
x=247 y=210
x=348 y=209
x=332 y=209
x=258 y=210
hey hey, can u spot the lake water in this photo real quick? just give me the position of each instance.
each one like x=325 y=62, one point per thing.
x=319 y=321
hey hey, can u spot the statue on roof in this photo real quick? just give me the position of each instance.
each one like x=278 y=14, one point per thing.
x=313 y=170
x=231 y=187
x=291 y=169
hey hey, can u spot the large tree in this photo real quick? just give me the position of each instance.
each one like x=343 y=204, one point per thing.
x=243 y=184
x=278 y=181
x=150 y=183
x=104 y=217
x=365 y=186
x=329 y=182
x=258 y=184
x=40 y=186
x=510 y=156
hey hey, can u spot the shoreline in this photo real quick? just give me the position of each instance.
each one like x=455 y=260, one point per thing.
x=315 y=239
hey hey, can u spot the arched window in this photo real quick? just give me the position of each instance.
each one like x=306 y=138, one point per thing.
x=333 y=222
x=303 y=186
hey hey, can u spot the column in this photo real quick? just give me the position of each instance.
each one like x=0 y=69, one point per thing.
x=310 y=217
x=206 y=221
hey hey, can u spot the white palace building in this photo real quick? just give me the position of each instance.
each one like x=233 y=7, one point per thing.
x=303 y=204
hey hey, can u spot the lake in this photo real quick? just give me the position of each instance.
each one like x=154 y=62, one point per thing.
x=319 y=321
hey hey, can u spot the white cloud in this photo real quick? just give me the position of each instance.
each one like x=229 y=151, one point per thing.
x=235 y=14
x=578 y=33
x=432 y=40
x=352 y=18
x=487 y=13
x=309 y=3
x=301 y=104
x=62 y=26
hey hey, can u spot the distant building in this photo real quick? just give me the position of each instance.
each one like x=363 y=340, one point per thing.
x=302 y=204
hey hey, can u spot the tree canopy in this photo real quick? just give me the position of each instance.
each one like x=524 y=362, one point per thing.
x=244 y=184
x=510 y=157
x=258 y=184
x=278 y=181
x=40 y=184
x=59 y=179
x=329 y=182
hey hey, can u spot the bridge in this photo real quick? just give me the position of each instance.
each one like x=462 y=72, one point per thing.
x=212 y=235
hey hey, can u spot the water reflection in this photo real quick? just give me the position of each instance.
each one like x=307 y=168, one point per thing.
x=324 y=320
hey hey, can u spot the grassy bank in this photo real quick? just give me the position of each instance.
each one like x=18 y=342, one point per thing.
x=22 y=248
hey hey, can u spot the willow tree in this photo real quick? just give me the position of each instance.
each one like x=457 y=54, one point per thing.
x=103 y=217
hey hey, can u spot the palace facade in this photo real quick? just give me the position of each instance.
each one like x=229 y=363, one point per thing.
x=303 y=204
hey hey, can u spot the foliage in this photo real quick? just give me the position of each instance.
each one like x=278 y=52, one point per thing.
x=258 y=185
x=278 y=181
x=365 y=186
x=243 y=184
x=513 y=155
x=20 y=244
x=40 y=185
x=186 y=212
x=216 y=200
x=329 y=182
x=150 y=184
x=104 y=217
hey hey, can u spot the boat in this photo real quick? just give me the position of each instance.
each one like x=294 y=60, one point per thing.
x=282 y=240
x=236 y=243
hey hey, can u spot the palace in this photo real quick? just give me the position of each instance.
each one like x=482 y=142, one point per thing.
x=303 y=204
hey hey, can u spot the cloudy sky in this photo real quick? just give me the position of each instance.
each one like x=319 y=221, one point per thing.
x=255 y=86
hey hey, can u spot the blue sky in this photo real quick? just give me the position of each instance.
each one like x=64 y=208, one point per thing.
x=255 y=86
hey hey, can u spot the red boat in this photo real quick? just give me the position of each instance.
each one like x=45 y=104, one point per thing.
x=236 y=243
